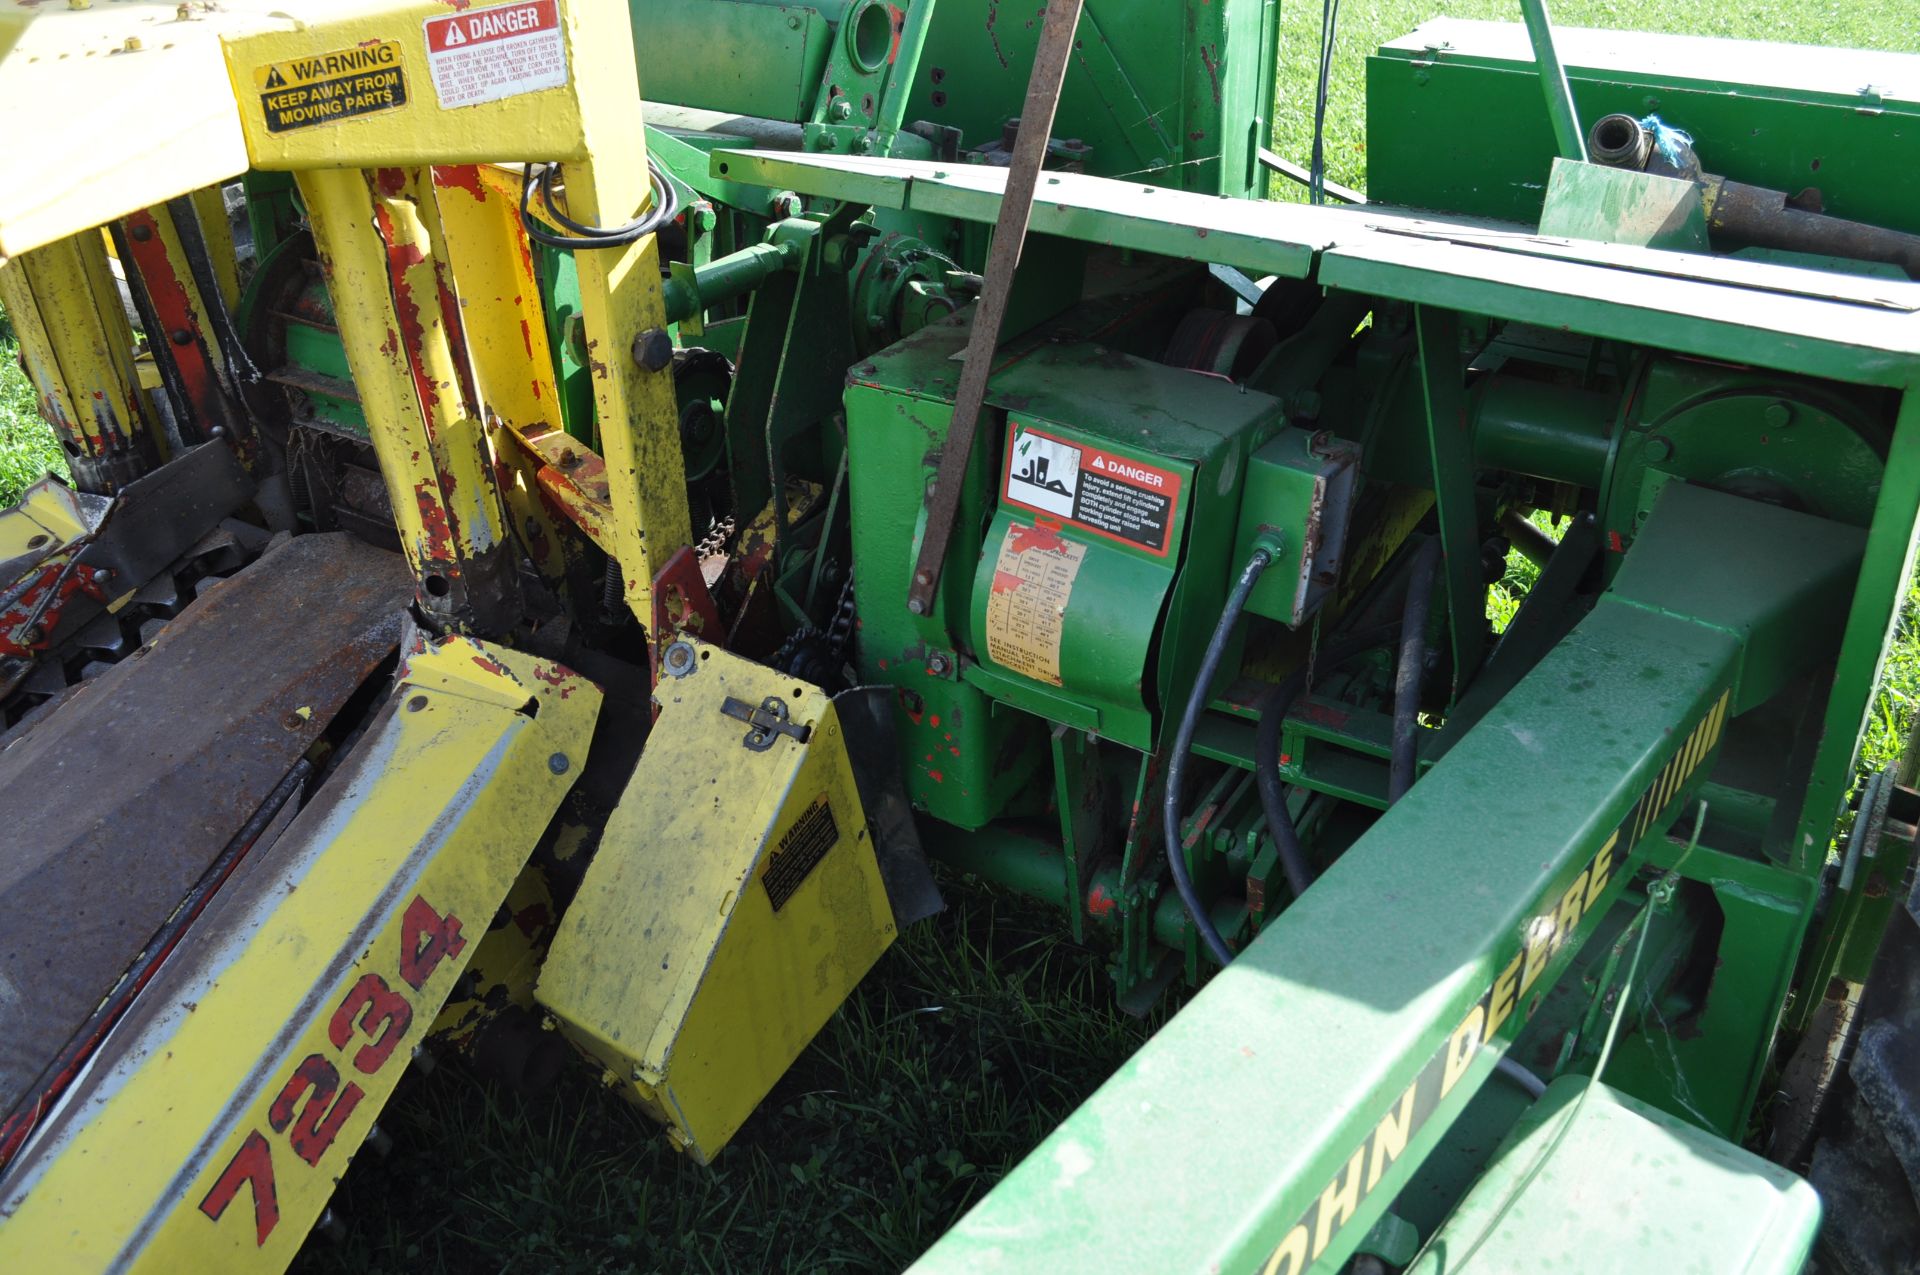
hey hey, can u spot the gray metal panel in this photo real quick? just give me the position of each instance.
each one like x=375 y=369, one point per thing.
x=115 y=804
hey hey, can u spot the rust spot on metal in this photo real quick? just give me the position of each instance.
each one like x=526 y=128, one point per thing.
x=438 y=548
x=390 y=181
x=1209 y=58
x=993 y=16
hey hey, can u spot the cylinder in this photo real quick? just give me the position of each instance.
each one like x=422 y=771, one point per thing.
x=1543 y=430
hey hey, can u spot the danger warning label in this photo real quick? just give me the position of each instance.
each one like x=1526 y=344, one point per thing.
x=1116 y=496
x=330 y=87
x=482 y=55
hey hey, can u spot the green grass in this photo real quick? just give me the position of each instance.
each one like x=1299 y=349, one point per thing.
x=28 y=451
x=958 y=1053
x=970 y=1039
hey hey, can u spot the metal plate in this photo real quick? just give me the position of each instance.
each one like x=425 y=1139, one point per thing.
x=116 y=803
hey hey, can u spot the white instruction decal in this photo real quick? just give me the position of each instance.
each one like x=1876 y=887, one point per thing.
x=483 y=55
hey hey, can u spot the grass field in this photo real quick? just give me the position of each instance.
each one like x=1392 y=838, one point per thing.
x=973 y=1035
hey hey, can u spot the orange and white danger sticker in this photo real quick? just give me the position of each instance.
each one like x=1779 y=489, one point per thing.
x=1027 y=607
x=1119 y=497
x=482 y=55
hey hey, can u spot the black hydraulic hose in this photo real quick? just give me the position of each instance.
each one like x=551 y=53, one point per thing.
x=1266 y=753
x=1183 y=744
x=1412 y=669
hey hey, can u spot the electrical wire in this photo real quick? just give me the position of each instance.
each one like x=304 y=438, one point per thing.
x=1317 y=174
x=663 y=207
x=1183 y=745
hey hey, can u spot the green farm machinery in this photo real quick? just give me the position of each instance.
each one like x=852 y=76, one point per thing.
x=705 y=464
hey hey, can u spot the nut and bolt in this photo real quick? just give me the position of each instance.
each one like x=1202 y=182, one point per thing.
x=653 y=350
x=940 y=664
x=840 y=110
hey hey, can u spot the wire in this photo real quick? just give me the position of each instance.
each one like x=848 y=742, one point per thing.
x=1183 y=744
x=664 y=206
x=1317 y=174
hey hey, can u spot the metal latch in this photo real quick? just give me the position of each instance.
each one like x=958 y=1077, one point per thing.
x=768 y=721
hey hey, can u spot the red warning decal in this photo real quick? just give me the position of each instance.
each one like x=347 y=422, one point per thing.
x=1133 y=501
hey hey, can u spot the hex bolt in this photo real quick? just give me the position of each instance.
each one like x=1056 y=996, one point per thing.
x=840 y=109
x=558 y=763
x=940 y=664
x=653 y=350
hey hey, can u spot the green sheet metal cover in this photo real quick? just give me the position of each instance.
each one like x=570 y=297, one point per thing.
x=1621 y=1186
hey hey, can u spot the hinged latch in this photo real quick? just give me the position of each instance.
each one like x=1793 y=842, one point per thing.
x=768 y=721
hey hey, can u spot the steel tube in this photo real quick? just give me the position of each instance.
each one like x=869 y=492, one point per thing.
x=1553 y=81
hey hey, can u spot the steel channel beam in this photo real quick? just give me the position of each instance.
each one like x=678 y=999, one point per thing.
x=384 y=250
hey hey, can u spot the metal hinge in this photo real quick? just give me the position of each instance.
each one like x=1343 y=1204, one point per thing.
x=768 y=721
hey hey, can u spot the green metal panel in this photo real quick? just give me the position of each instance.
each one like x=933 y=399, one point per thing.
x=1591 y=1180
x=744 y=57
x=1618 y=205
x=1174 y=91
x=1455 y=119
x=1381 y=1033
x=1301 y=485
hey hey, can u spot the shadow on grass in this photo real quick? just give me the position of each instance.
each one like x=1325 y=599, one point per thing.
x=974 y=1036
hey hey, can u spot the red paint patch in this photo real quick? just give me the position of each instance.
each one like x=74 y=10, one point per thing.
x=390 y=181
x=491 y=665
x=1038 y=536
x=1615 y=543
x=461 y=177
x=936 y=776
x=1100 y=903
x=1006 y=582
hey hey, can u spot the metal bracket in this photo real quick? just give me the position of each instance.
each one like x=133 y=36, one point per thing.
x=769 y=721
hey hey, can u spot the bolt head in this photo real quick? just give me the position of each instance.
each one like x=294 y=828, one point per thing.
x=653 y=350
x=142 y=233
x=1778 y=415
x=182 y=336
x=558 y=763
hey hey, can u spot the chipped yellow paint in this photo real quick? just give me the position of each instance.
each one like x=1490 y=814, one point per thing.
x=78 y=350
x=721 y=923
x=315 y=970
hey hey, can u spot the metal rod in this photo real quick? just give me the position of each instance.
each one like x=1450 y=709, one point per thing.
x=1553 y=81
x=1009 y=236
x=906 y=64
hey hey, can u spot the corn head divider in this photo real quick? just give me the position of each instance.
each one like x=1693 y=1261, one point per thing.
x=550 y=558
